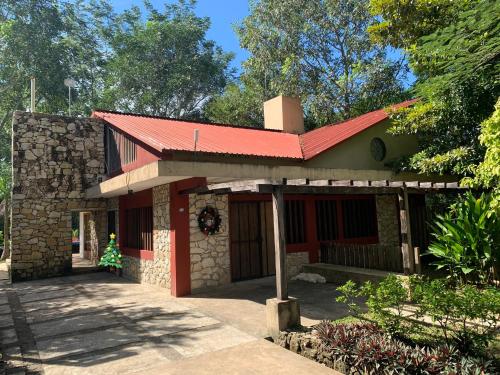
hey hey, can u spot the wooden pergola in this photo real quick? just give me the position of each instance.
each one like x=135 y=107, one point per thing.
x=277 y=188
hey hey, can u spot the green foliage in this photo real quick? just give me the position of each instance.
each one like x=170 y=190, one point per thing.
x=75 y=233
x=365 y=349
x=320 y=51
x=349 y=291
x=457 y=67
x=112 y=256
x=401 y=23
x=238 y=105
x=487 y=174
x=164 y=66
x=386 y=301
x=467 y=316
x=467 y=239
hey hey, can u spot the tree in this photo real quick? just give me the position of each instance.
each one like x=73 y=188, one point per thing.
x=238 y=105
x=487 y=173
x=400 y=23
x=51 y=41
x=164 y=66
x=457 y=68
x=320 y=51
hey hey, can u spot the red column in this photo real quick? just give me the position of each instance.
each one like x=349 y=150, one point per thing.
x=180 y=262
x=311 y=234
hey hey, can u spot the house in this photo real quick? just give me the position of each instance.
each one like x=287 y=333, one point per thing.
x=192 y=204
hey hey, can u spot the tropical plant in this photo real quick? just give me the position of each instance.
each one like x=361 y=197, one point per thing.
x=467 y=239
x=112 y=256
x=364 y=348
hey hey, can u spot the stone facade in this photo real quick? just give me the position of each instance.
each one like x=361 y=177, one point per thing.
x=387 y=220
x=54 y=159
x=295 y=262
x=210 y=255
x=156 y=271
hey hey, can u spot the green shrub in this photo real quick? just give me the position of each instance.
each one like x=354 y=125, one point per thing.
x=386 y=301
x=349 y=291
x=467 y=315
x=467 y=240
x=365 y=349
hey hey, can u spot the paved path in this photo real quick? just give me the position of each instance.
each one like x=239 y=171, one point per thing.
x=102 y=324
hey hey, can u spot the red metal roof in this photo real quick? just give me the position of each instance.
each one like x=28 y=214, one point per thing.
x=173 y=135
x=163 y=134
x=321 y=139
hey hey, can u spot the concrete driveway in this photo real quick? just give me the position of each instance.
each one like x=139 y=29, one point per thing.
x=101 y=324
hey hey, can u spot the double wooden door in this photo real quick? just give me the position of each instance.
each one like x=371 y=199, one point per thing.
x=252 y=240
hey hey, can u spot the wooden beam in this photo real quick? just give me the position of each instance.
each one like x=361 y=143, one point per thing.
x=279 y=243
x=406 y=240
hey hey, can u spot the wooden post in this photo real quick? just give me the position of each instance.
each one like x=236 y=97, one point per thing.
x=418 y=263
x=279 y=243
x=406 y=242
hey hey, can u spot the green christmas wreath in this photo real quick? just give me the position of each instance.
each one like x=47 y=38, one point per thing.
x=209 y=220
x=112 y=256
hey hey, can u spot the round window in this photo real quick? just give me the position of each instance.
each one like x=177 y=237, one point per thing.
x=377 y=149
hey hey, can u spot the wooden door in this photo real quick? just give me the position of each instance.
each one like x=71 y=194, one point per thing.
x=252 y=244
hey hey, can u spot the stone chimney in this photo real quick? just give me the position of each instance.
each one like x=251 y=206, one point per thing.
x=285 y=114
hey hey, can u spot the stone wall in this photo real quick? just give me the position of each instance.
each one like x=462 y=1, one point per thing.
x=295 y=261
x=156 y=271
x=210 y=255
x=54 y=159
x=387 y=220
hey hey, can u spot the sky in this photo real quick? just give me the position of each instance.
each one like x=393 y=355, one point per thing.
x=223 y=15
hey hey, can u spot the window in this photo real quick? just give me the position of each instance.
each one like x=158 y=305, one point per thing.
x=326 y=219
x=120 y=150
x=359 y=217
x=346 y=219
x=294 y=221
x=139 y=228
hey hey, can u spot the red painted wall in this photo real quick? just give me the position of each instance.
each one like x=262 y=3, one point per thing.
x=180 y=259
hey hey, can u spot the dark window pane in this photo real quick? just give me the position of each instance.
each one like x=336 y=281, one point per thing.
x=359 y=218
x=326 y=220
x=139 y=228
x=295 y=222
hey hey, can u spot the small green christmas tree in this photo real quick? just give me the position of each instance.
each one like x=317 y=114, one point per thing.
x=112 y=256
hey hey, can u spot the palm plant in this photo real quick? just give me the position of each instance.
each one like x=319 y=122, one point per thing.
x=467 y=239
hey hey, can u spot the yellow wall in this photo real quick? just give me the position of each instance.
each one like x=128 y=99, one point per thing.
x=355 y=152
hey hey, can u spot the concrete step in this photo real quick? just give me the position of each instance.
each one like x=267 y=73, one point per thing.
x=340 y=274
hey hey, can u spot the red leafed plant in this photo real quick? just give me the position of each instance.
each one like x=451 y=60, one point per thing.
x=365 y=349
